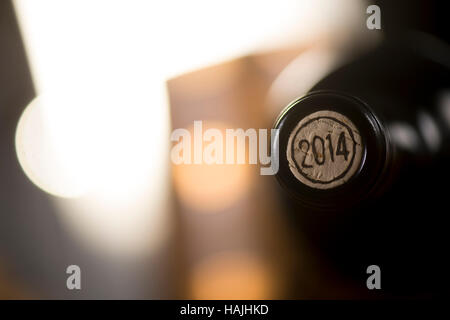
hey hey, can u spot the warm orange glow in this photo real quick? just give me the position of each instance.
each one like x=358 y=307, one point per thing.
x=232 y=275
x=211 y=187
x=214 y=187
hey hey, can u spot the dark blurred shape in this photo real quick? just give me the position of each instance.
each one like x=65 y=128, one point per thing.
x=421 y=15
x=16 y=91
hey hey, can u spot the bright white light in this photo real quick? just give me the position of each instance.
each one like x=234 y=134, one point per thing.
x=54 y=168
x=430 y=131
x=404 y=135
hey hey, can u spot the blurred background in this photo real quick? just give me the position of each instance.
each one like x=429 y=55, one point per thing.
x=90 y=92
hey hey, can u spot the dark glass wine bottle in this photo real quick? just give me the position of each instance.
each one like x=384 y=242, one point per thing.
x=351 y=135
x=364 y=164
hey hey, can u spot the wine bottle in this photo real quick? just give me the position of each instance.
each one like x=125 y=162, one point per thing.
x=365 y=124
x=364 y=166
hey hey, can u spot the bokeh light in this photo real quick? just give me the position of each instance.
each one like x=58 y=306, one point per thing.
x=233 y=275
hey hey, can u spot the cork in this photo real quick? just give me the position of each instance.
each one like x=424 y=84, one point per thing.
x=324 y=150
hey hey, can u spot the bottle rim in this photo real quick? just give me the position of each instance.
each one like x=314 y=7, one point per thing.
x=374 y=151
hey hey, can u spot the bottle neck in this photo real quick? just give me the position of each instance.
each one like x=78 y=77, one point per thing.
x=333 y=150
